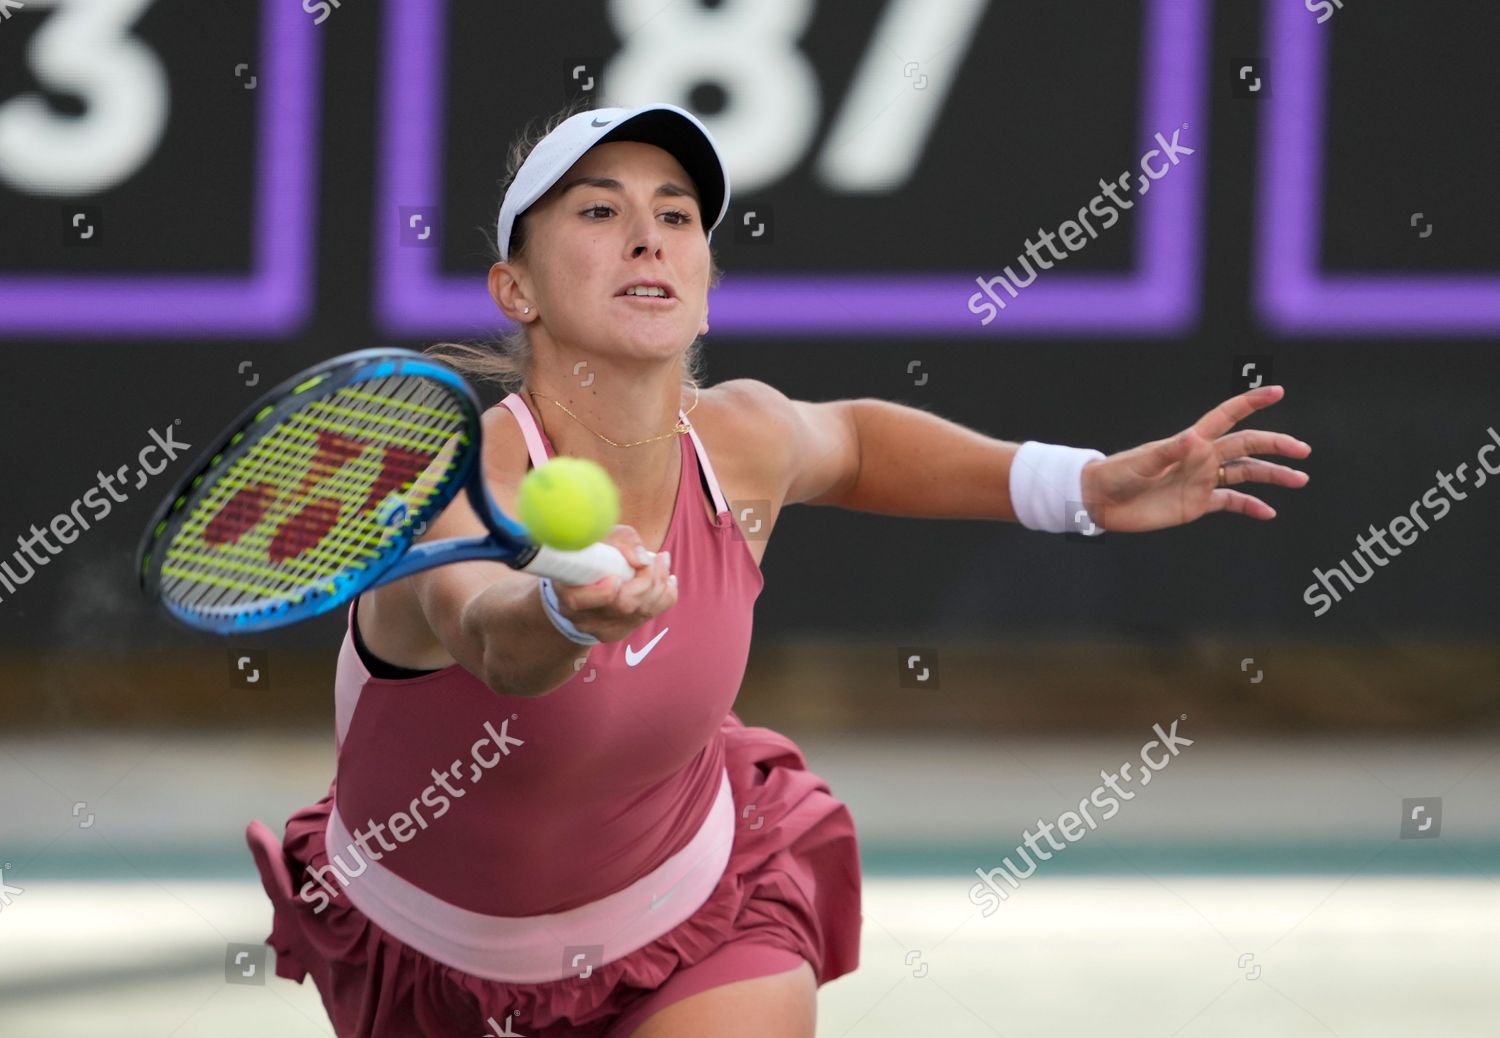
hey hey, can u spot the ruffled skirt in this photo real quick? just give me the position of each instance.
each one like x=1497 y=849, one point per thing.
x=791 y=888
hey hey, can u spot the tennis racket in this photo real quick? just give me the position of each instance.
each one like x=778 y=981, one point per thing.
x=317 y=491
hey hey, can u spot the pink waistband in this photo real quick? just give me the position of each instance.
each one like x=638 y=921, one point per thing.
x=532 y=949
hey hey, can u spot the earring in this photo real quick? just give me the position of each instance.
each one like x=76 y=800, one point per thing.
x=526 y=309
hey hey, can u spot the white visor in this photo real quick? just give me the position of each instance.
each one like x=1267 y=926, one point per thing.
x=670 y=128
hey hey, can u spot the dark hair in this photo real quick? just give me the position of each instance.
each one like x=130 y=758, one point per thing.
x=505 y=357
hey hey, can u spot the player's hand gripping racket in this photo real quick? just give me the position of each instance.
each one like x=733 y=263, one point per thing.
x=318 y=491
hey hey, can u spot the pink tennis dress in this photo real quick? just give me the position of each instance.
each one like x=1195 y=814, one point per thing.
x=566 y=864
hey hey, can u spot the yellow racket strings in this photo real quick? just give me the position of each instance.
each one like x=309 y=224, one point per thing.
x=320 y=495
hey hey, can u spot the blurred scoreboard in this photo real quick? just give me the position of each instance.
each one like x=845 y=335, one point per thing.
x=158 y=168
x=160 y=162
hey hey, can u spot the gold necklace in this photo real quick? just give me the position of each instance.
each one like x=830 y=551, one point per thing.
x=682 y=425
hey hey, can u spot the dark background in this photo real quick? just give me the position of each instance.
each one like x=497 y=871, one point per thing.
x=1046 y=102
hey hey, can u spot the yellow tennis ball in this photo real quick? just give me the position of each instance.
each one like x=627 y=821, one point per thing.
x=568 y=503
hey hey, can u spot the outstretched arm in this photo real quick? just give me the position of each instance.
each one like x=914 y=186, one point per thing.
x=877 y=456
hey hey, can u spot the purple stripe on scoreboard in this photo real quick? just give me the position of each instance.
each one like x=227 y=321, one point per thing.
x=275 y=297
x=1294 y=295
x=1161 y=295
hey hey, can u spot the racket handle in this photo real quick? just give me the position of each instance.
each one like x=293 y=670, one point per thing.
x=580 y=567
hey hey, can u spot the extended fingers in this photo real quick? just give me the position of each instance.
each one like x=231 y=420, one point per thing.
x=1223 y=500
x=1258 y=441
x=1251 y=470
x=1235 y=410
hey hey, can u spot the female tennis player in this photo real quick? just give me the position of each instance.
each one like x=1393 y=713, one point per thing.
x=546 y=818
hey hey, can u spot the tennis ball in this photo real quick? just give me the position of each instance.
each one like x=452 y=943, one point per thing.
x=568 y=503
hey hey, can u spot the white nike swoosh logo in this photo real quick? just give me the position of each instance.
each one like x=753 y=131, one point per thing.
x=632 y=657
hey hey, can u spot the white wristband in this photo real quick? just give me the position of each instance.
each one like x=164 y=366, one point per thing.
x=1046 y=488
x=562 y=623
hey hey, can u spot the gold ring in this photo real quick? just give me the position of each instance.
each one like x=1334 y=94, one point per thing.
x=1221 y=477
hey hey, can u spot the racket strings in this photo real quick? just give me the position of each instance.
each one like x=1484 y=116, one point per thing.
x=337 y=545
x=241 y=565
x=319 y=548
x=274 y=464
x=304 y=505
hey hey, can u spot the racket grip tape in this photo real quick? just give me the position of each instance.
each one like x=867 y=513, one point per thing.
x=580 y=567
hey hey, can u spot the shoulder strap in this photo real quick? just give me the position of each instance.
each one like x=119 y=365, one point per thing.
x=708 y=470
x=523 y=415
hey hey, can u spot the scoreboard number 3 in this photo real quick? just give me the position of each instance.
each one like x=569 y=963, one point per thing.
x=85 y=49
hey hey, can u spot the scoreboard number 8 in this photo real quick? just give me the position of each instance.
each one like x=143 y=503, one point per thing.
x=750 y=48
